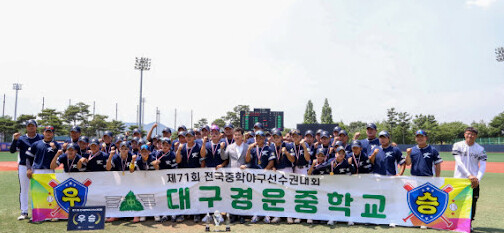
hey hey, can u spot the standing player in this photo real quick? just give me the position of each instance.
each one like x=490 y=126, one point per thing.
x=75 y=133
x=189 y=156
x=387 y=157
x=69 y=159
x=144 y=162
x=299 y=149
x=43 y=151
x=343 y=135
x=83 y=145
x=470 y=162
x=310 y=144
x=371 y=141
x=23 y=143
x=228 y=134
x=211 y=151
x=165 y=159
x=325 y=145
x=107 y=141
x=423 y=158
x=260 y=157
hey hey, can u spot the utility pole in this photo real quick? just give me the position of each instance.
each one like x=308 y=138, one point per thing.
x=116 y=111
x=175 y=122
x=158 y=114
x=191 y=118
x=94 y=108
x=3 y=108
x=43 y=102
x=17 y=87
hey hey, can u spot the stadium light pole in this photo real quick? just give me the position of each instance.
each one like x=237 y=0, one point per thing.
x=500 y=54
x=141 y=64
x=17 y=87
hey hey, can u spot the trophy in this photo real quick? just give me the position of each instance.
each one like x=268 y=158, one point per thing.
x=218 y=219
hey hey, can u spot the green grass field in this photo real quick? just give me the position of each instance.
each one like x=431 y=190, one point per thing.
x=490 y=213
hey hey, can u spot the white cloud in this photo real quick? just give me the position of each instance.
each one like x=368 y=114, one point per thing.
x=480 y=3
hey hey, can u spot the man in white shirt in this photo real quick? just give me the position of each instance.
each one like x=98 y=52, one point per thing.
x=470 y=162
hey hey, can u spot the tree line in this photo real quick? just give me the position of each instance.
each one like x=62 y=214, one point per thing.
x=402 y=125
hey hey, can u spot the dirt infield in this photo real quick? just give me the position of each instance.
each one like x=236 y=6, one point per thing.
x=492 y=167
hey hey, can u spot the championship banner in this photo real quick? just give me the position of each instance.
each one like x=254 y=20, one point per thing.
x=441 y=203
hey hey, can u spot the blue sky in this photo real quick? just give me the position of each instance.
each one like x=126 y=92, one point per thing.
x=423 y=57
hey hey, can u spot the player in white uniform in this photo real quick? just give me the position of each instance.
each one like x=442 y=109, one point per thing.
x=470 y=160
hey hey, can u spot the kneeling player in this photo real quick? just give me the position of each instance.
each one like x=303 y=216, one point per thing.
x=68 y=159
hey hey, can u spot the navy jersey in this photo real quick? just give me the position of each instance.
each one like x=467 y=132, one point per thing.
x=226 y=141
x=69 y=165
x=323 y=168
x=141 y=164
x=250 y=141
x=281 y=160
x=42 y=154
x=361 y=163
x=311 y=150
x=260 y=157
x=423 y=160
x=298 y=152
x=199 y=142
x=173 y=145
x=386 y=161
x=120 y=164
x=166 y=160
x=348 y=148
x=24 y=143
x=83 y=153
x=191 y=157
x=340 y=168
x=369 y=145
x=107 y=147
x=96 y=162
x=327 y=150
x=213 y=154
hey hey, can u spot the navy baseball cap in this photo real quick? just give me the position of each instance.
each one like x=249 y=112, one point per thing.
x=229 y=125
x=343 y=132
x=308 y=132
x=144 y=147
x=165 y=139
x=260 y=133
x=324 y=134
x=75 y=128
x=136 y=131
x=166 y=130
x=258 y=125
x=340 y=148
x=190 y=133
x=31 y=122
x=421 y=132
x=252 y=133
x=182 y=134
x=73 y=146
x=108 y=133
x=182 y=127
x=84 y=139
x=336 y=129
x=123 y=144
x=371 y=125
x=384 y=133
x=49 y=128
x=141 y=141
x=205 y=127
x=157 y=137
x=320 y=151
x=295 y=131
x=118 y=138
x=94 y=141
x=135 y=139
x=356 y=144
x=215 y=127
x=275 y=132
x=338 y=144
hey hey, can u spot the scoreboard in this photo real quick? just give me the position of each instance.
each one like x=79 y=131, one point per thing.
x=269 y=119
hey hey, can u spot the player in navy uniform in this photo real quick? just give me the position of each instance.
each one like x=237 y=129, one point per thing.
x=283 y=161
x=120 y=161
x=83 y=145
x=164 y=159
x=387 y=157
x=325 y=144
x=69 y=159
x=300 y=150
x=228 y=134
x=189 y=156
x=211 y=151
x=369 y=144
x=107 y=141
x=259 y=156
x=96 y=160
x=343 y=136
x=144 y=162
x=423 y=158
x=75 y=133
x=310 y=144
x=176 y=142
x=320 y=165
x=23 y=143
x=335 y=136
x=359 y=160
x=134 y=146
x=43 y=151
